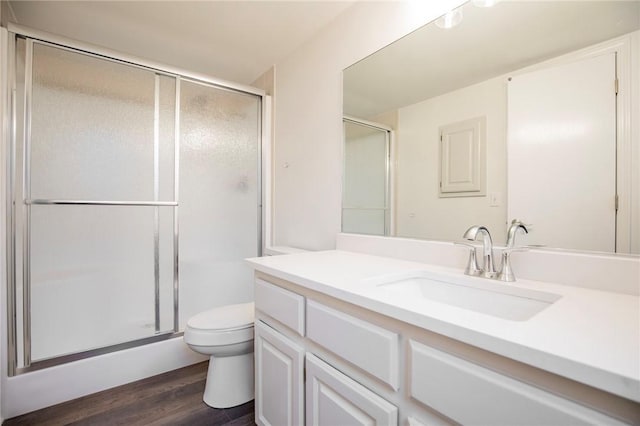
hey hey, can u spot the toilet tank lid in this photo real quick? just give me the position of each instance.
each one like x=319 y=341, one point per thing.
x=224 y=317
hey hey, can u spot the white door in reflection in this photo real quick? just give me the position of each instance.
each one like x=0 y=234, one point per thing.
x=562 y=154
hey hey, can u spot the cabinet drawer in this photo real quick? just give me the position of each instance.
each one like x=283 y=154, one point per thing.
x=335 y=399
x=371 y=348
x=471 y=394
x=282 y=305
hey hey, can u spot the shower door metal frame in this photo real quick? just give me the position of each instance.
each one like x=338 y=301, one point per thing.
x=33 y=36
x=389 y=202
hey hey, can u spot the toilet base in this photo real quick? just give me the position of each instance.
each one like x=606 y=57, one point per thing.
x=230 y=381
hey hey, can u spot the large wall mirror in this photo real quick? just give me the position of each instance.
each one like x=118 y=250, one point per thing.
x=525 y=110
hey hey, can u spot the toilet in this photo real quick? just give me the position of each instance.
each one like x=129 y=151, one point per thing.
x=226 y=335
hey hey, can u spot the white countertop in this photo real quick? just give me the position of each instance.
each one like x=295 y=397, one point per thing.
x=589 y=336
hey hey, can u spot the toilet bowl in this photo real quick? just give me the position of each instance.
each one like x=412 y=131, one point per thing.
x=226 y=335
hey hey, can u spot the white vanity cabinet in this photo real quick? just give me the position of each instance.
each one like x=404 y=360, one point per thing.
x=289 y=376
x=322 y=361
x=279 y=378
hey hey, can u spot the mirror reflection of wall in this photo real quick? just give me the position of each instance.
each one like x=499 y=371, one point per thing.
x=568 y=127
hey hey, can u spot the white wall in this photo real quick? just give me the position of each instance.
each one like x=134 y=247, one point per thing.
x=308 y=125
x=389 y=119
x=6 y=13
x=420 y=212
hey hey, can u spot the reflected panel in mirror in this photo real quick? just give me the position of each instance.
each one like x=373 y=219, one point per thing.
x=366 y=178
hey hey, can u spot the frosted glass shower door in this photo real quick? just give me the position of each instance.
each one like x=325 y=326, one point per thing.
x=219 y=196
x=92 y=276
x=98 y=190
x=137 y=197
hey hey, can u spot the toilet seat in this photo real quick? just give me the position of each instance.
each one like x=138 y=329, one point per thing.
x=225 y=325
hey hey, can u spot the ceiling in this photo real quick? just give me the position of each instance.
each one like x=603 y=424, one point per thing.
x=231 y=40
x=488 y=43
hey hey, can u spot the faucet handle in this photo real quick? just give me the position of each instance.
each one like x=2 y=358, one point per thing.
x=506 y=273
x=472 y=267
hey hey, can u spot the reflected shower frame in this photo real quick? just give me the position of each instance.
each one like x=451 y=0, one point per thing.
x=389 y=189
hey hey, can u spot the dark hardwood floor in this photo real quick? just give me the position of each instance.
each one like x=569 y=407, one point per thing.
x=173 y=398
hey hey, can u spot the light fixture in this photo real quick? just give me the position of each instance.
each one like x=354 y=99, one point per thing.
x=450 y=19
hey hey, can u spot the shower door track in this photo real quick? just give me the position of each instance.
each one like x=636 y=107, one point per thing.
x=102 y=203
x=77 y=356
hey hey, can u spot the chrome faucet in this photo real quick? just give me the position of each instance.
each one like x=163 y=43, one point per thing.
x=488 y=267
x=516 y=225
x=506 y=273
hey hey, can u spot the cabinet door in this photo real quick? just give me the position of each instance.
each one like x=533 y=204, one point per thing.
x=335 y=399
x=279 y=378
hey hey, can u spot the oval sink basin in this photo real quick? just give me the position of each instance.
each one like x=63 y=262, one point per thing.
x=475 y=294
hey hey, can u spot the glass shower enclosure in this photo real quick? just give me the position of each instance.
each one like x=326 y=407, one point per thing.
x=134 y=196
